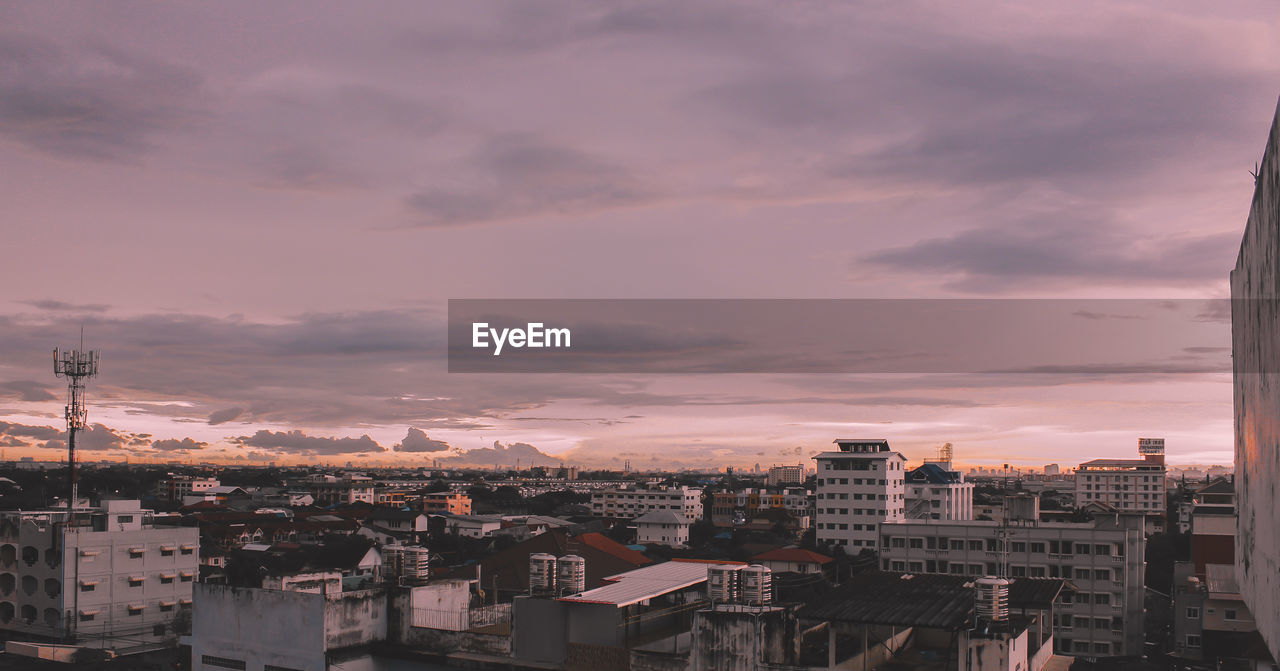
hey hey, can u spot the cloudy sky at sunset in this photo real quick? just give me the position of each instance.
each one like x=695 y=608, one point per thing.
x=258 y=212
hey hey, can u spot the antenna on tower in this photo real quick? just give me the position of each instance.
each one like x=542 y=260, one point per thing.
x=77 y=365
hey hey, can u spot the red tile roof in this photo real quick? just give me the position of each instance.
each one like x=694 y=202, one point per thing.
x=793 y=555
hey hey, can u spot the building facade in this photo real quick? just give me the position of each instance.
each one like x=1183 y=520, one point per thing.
x=111 y=579
x=1104 y=559
x=454 y=503
x=781 y=476
x=939 y=494
x=328 y=490
x=633 y=502
x=662 y=527
x=1128 y=485
x=1255 y=346
x=859 y=486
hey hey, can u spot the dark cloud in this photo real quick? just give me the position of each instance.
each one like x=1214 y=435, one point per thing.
x=29 y=431
x=996 y=260
x=61 y=306
x=26 y=390
x=95 y=101
x=223 y=416
x=298 y=442
x=417 y=441
x=518 y=176
x=176 y=445
x=503 y=455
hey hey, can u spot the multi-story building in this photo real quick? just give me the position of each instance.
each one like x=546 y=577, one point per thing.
x=736 y=508
x=1104 y=559
x=859 y=486
x=662 y=528
x=328 y=490
x=633 y=502
x=937 y=493
x=780 y=476
x=179 y=486
x=1128 y=485
x=454 y=503
x=109 y=578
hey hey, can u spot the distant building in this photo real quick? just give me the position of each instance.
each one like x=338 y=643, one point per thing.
x=937 y=493
x=1104 y=559
x=108 y=579
x=1128 y=485
x=454 y=503
x=329 y=490
x=737 y=508
x=859 y=486
x=779 y=476
x=473 y=526
x=177 y=487
x=628 y=502
x=662 y=527
x=1052 y=469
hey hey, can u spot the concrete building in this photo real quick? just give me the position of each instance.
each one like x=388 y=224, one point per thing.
x=792 y=560
x=1104 y=559
x=939 y=494
x=179 y=486
x=1255 y=346
x=781 y=476
x=1128 y=485
x=630 y=502
x=662 y=527
x=859 y=486
x=454 y=503
x=473 y=526
x=737 y=508
x=328 y=490
x=108 y=579
x=252 y=629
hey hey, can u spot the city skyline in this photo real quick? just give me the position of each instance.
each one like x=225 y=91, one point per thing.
x=259 y=223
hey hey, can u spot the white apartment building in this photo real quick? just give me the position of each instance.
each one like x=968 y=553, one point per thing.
x=859 y=486
x=1128 y=485
x=1104 y=559
x=179 y=486
x=633 y=502
x=662 y=527
x=780 y=476
x=109 y=580
x=938 y=493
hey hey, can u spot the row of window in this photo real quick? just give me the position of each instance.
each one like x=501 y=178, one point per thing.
x=993 y=545
x=1015 y=570
x=138 y=580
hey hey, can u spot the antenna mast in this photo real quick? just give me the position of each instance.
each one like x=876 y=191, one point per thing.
x=77 y=366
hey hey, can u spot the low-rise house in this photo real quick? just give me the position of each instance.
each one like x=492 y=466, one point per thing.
x=792 y=560
x=662 y=527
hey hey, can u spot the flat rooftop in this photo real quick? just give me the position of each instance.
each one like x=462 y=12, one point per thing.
x=648 y=582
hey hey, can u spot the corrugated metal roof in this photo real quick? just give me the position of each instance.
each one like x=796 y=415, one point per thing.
x=924 y=600
x=647 y=582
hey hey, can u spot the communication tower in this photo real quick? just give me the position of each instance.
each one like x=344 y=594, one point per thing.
x=77 y=365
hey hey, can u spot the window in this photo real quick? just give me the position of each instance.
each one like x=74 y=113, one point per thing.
x=223 y=662
x=1193 y=613
x=1230 y=614
x=1193 y=641
x=1102 y=599
x=916 y=543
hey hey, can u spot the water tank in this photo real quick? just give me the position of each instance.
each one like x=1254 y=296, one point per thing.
x=723 y=583
x=757 y=585
x=991 y=596
x=542 y=572
x=571 y=571
x=415 y=564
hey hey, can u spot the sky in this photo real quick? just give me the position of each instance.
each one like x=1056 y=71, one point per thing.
x=258 y=212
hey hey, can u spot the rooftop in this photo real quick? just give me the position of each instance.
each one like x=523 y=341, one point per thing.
x=661 y=517
x=648 y=582
x=793 y=555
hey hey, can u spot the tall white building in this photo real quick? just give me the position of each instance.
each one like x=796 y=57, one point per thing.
x=937 y=493
x=859 y=486
x=111 y=579
x=1128 y=485
x=1104 y=559
x=633 y=502
x=780 y=476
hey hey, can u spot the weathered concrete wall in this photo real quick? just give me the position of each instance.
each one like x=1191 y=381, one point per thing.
x=646 y=660
x=258 y=627
x=741 y=639
x=1255 y=329
x=538 y=630
x=355 y=618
